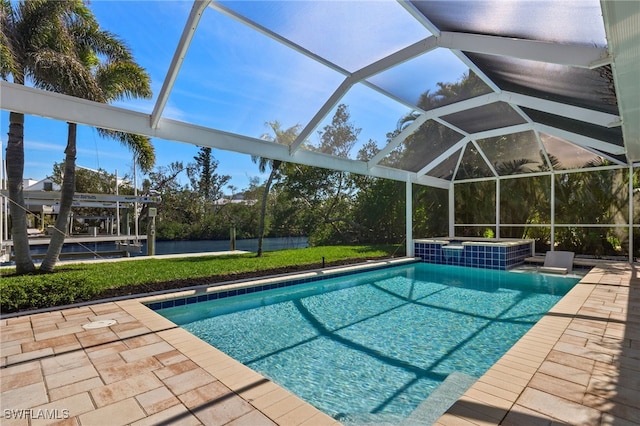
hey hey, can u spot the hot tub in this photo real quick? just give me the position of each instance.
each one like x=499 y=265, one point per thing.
x=488 y=253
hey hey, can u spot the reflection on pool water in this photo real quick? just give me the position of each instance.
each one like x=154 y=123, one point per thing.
x=372 y=346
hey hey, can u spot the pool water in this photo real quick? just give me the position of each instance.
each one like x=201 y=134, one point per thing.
x=373 y=346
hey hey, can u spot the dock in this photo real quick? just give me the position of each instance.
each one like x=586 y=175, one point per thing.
x=80 y=239
x=126 y=244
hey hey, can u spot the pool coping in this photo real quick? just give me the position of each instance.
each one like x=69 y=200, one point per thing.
x=566 y=368
x=204 y=293
x=477 y=241
x=522 y=387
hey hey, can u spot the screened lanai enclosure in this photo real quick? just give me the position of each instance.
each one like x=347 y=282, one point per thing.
x=522 y=118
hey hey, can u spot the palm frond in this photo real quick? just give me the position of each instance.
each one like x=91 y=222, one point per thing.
x=141 y=146
x=89 y=36
x=8 y=64
x=284 y=137
x=64 y=74
x=123 y=80
x=513 y=167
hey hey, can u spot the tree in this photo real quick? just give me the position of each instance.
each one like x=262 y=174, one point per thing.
x=325 y=197
x=175 y=201
x=207 y=187
x=29 y=50
x=432 y=138
x=595 y=197
x=380 y=211
x=94 y=181
x=285 y=137
x=8 y=63
x=204 y=180
x=379 y=204
x=338 y=188
x=100 y=67
x=57 y=46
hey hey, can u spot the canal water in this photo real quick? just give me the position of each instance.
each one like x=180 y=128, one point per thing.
x=250 y=244
x=190 y=246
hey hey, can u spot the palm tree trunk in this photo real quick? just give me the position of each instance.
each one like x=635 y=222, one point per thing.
x=17 y=209
x=66 y=200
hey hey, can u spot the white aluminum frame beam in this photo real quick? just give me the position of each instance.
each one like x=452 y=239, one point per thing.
x=577 y=113
x=440 y=158
x=409 y=219
x=275 y=36
x=383 y=64
x=484 y=157
x=178 y=58
x=397 y=140
x=321 y=114
x=543 y=149
x=501 y=131
x=498 y=208
x=418 y=16
x=451 y=126
x=541 y=51
x=605 y=156
x=411 y=9
x=405 y=54
x=546 y=173
x=583 y=141
x=31 y=101
x=436 y=112
x=50 y=196
x=452 y=210
x=622 y=22
x=622 y=28
x=395 y=58
x=458 y=162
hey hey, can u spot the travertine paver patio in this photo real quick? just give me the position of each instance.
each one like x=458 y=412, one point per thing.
x=579 y=365
x=141 y=371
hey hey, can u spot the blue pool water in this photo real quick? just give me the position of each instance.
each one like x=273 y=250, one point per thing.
x=372 y=346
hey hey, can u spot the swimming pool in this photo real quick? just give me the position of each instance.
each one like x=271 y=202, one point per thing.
x=371 y=347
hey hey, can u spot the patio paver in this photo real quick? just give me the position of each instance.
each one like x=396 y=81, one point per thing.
x=589 y=368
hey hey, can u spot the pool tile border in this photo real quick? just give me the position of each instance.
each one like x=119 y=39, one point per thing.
x=494 y=395
x=221 y=291
x=475 y=253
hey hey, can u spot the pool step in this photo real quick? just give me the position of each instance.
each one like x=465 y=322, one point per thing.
x=443 y=397
x=425 y=414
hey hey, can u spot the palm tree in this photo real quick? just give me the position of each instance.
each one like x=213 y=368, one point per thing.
x=28 y=44
x=116 y=77
x=7 y=60
x=55 y=45
x=285 y=137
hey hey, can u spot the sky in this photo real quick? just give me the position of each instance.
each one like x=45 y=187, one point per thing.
x=236 y=79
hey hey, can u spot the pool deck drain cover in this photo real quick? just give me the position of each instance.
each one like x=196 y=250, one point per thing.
x=99 y=324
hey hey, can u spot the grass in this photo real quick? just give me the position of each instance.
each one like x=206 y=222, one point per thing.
x=81 y=282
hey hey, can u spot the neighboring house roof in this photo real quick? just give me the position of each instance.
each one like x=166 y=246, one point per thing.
x=234 y=199
x=45 y=184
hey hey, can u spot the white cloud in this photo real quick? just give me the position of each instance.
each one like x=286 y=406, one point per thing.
x=43 y=146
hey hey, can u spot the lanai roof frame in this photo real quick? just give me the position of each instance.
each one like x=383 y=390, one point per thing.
x=498 y=41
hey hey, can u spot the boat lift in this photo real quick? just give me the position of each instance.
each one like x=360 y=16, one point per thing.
x=47 y=202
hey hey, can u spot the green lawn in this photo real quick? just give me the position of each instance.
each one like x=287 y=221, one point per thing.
x=72 y=283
